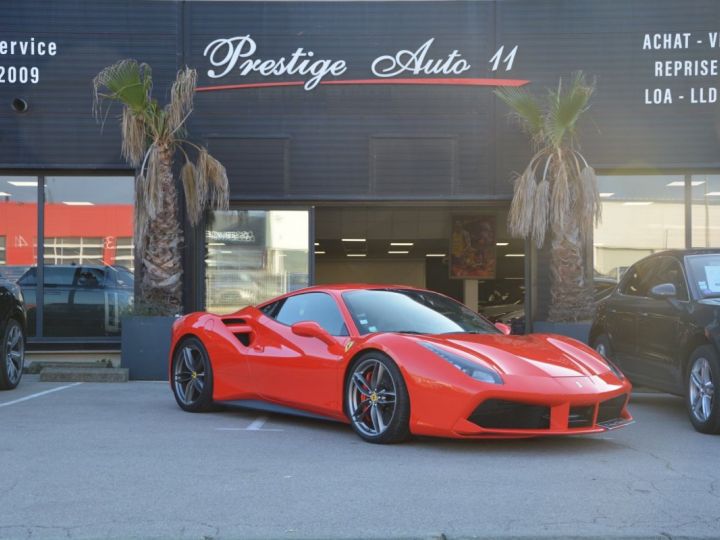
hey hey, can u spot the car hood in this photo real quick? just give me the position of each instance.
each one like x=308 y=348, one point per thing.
x=532 y=355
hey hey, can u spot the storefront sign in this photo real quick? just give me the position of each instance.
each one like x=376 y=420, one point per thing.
x=23 y=48
x=692 y=71
x=238 y=54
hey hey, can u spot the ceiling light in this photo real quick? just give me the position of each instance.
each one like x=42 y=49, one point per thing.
x=317 y=243
x=3 y=194
x=398 y=252
x=357 y=254
x=402 y=243
x=502 y=243
x=435 y=255
x=606 y=195
x=78 y=203
x=226 y=252
x=712 y=193
x=681 y=183
x=319 y=253
x=19 y=183
x=353 y=239
x=216 y=243
x=637 y=203
x=514 y=254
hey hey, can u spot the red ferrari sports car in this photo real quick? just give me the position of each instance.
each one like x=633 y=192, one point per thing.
x=393 y=361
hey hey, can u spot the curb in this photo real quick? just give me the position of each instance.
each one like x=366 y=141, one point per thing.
x=84 y=374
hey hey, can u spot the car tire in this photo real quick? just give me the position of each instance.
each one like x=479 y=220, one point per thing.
x=702 y=384
x=191 y=376
x=376 y=399
x=602 y=346
x=13 y=355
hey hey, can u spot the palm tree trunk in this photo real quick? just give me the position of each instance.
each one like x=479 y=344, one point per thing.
x=161 y=282
x=571 y=292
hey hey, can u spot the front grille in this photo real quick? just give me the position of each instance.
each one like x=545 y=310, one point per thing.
x=611 y=409
x=502 y=414
x=581 y=416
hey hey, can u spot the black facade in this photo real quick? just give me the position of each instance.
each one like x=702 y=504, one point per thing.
x=655 y=108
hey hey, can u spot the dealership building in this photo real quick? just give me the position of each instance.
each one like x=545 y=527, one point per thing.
x=362 y=140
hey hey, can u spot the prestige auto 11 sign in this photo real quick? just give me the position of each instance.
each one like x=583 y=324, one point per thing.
x=239 y=55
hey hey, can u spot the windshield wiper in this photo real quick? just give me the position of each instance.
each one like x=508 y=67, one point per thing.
x=409 y=332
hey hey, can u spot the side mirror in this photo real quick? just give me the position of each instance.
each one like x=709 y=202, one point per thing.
x=314 y=330
x=504 y=328
x=663 y=290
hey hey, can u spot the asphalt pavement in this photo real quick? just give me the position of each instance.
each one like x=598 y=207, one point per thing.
x=123 y=461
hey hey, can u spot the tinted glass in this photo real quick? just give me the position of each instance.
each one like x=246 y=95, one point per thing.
x=637 y=281
x=316 y=307
x=669 y=271
x=704 y=273
x=410 y=311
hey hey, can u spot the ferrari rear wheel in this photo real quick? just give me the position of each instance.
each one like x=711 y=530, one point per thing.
x=703 y=390
x=192 y=378
x=377 y=401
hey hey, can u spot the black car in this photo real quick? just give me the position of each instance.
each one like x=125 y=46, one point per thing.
x=661 y=325
x=80 y=300
x=12 y=331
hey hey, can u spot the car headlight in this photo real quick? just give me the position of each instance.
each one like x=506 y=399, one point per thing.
x=470 y=368
x=616 y=370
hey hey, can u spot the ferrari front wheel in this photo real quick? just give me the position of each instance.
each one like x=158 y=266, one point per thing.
x=192 y=377
x=703 y=390
x=377 y=401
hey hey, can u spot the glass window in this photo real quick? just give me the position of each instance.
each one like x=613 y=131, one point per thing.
x=18 y=230
x=637 y=280
x=705 y=274
x=670 y=271
x=641 y=214
x=317 y=307
x=253 y=256
x=88 y=226
x=705 y=210
x=410 y=311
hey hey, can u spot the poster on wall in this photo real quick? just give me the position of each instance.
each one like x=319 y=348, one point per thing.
x=472 y=247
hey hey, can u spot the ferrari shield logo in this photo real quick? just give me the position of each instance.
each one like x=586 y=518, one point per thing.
x=349 y=345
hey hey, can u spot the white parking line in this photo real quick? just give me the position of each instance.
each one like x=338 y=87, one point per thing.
x=255 y=425
x=258 y=423
x=39 y=394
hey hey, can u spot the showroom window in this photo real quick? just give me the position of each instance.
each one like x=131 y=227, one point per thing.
x=254 y=255
x=84 y=285
x=644 y=214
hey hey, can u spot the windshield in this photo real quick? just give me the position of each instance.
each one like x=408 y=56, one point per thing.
x=411 y=311
x=705 y=274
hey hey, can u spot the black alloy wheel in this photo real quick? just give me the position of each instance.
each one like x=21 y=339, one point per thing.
x=602 y=346
x=192 y=378
x=376 y=399
x=702 y=396
x=13 y=355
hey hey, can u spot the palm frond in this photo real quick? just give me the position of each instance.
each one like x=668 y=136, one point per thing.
x=565 y=107
x=181 y=99
x=134 y=137
x=560 y=196
x=218 y=185
x=523 y=202
x=195 y=192
x=541 y=213
x=125 y=81
x=525 y=109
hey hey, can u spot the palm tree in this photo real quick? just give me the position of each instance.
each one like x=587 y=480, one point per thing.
x=152 y=136
x=557 y=191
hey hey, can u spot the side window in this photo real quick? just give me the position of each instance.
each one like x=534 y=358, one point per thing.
x=318 y=307
x=271 y=309
x=669 y=271
x=90 y=278
x=637 y=278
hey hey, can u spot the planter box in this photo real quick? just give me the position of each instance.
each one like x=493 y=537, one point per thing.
x=145 y=343
x=577 y=330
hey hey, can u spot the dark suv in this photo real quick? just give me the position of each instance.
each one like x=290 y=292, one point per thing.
x=82 y=300
x=661 y=325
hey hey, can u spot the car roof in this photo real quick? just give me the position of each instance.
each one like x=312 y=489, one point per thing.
x=681 y=253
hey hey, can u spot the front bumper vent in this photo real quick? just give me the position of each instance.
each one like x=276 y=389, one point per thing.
x=581 y=416
x=611 y=409
x=502 y=414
